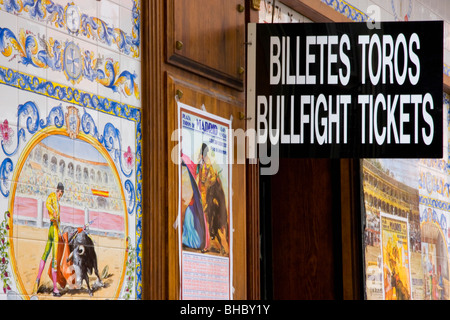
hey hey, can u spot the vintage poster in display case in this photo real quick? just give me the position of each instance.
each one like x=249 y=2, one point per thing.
x=395 y=255
x=406 y=205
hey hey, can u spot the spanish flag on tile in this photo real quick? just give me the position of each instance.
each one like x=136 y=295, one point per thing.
x=100 y=193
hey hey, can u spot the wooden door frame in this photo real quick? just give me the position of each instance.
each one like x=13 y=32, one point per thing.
x=154 y=169
x=154 y=228
x=157 y=230
x=350 y=184
x=253 y=210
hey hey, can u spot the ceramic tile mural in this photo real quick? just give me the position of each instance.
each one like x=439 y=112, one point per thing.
x=70 y=158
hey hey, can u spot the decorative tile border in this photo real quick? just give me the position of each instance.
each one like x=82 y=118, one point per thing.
x=446 y=70
x=434 y=203
x=50 y=89
x=396 y=14
x=90 y=27
x=347 y=10
x=66 y=56
x=357 y=15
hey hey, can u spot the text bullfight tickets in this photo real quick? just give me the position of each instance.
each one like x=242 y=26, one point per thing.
x=347 y=89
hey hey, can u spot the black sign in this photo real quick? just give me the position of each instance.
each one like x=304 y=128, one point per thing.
x=348 y=90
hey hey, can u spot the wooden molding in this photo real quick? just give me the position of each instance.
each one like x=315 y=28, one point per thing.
x=205 y=71
x=350 y=230
x=253 y=233
x=315 y=10
x=188 y=55
x=154 y=158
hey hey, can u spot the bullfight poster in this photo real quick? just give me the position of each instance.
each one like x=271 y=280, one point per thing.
x=205 y=217
x=415 y=193
x=395 y=254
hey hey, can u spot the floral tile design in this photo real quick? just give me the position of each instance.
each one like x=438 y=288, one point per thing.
x=89 y=25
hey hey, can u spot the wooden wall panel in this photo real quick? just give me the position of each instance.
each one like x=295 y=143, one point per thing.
x=303 y=236
x=217 y=84
x=207 y=38
x=154 y=158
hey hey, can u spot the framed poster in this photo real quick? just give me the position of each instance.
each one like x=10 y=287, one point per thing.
x=205 y=217
x=415 y=191
x=396 y=257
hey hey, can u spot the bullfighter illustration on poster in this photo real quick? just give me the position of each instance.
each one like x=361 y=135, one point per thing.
x=69 y=202
x=204 y=205
x=396 y=261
